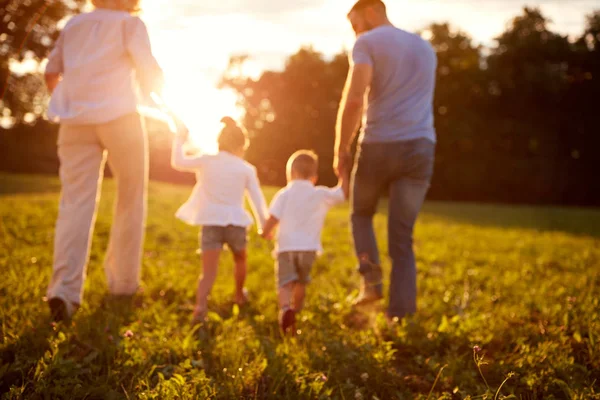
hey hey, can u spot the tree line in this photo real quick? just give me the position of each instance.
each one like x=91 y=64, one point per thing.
x=516 y=122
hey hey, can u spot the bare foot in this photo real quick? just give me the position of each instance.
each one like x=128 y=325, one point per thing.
x=198 y=316
x=241 y=299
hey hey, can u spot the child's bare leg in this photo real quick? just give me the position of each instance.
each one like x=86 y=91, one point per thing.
x=299 y=294
x=240 y=276
x=285 y=296
x=210 y=262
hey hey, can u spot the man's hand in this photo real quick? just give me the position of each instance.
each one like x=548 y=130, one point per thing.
x=341 y=163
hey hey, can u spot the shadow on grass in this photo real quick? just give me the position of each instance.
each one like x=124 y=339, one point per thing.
x=19 y=358
x=11 y=184
x=65 y=351
x=577 y=221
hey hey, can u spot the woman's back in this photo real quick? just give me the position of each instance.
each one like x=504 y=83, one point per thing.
x=97 y=53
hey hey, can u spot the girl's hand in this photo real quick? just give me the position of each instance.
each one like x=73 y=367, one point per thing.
x=266 y=235
x=183 y=134
x=181 y=129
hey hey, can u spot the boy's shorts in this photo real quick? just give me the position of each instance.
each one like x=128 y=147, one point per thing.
x=294 y=266
x=215 y=237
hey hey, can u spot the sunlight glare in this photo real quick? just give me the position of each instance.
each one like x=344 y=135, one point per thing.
x=200 y=106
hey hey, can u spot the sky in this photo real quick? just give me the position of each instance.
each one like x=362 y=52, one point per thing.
x=194 y=39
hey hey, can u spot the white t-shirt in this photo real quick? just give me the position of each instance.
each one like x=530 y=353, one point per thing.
x=102 y=56
x=301 y=208
x=222 y=181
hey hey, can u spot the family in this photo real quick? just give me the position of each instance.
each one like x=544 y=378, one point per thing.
x=100 y=62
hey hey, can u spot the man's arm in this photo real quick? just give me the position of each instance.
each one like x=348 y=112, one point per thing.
x=350 y=113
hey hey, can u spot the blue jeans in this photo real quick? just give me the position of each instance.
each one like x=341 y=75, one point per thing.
x=403 y=170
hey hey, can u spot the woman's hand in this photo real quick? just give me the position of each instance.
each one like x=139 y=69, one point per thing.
x=52 y=81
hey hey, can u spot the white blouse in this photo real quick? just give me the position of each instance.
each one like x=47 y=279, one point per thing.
x=102 y=56
x=222 y=181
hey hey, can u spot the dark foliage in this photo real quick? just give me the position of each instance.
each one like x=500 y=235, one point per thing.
x=516 y=123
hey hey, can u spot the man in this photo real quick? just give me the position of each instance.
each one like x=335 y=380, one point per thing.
x=396 y=147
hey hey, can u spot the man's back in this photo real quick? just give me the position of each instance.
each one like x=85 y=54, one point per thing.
x=400 y=105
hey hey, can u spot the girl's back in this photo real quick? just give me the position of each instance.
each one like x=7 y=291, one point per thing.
x=223 y=179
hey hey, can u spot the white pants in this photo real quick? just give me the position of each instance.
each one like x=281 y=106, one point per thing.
x=82 y=150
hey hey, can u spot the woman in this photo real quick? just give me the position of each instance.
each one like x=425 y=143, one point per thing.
x=90 y=73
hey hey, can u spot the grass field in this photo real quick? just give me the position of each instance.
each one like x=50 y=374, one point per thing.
x=520 y=285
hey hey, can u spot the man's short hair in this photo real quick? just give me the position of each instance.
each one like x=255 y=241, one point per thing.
x=304 y=163
x=362 y=4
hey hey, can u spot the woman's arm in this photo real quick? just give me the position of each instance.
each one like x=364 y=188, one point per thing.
x=257 y=200
x=55 y=65
x=149 y=73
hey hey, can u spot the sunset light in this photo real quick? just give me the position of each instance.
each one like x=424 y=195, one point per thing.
x=200 y=105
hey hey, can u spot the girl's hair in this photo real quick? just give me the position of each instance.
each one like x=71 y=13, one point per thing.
x=131 y=6
x=232 y=137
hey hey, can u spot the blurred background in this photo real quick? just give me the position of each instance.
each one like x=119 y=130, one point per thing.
x=516 y=102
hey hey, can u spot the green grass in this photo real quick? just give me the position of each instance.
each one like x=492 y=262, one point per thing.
x=522 y=283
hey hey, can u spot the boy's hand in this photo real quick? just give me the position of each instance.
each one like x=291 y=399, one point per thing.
x=267 y=231
x=266 y=235
x=341 y=163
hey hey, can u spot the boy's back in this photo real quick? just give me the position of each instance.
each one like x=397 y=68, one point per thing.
x=301 y=208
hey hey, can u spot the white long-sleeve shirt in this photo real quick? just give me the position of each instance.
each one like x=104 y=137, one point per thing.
x=102 y=56
x=222 y=181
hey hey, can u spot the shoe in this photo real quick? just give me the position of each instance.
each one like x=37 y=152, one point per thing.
x=61 y=310
x=371 y=289
x=369 y=295
x=287 y=321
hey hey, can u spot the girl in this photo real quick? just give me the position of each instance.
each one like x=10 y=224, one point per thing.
x=217 y=203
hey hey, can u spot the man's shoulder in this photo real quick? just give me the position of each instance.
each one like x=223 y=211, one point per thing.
x=378 y=35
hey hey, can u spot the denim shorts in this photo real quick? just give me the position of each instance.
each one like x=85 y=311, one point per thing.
x=294 y=266
x=215 y=237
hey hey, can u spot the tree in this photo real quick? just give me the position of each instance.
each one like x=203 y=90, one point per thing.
x=290 y=110
x=28 y=29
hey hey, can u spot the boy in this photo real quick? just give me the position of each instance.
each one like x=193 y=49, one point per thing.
x=299 y=209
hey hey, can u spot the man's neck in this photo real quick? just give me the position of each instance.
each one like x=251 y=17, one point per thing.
x=384 y=22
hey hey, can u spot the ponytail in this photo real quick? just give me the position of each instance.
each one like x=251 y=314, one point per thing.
x=232 y=136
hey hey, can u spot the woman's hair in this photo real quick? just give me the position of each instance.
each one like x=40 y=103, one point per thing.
x=131 y=6
x=232 y=136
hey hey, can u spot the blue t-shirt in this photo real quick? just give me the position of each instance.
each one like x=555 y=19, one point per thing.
x=400 y=105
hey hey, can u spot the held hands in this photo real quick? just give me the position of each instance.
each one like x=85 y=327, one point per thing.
x=266 y=235
x=181 y=130
x=342 y=163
